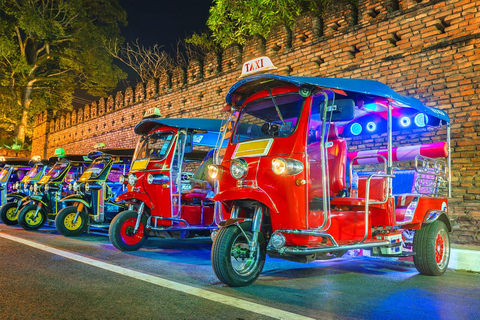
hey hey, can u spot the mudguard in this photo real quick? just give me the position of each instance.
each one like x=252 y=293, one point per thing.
x=250 y=193
x=135 y=195
x=39 y=199
x=16 y=195
x=232 y=221
x=76 y=198
x=438 y=215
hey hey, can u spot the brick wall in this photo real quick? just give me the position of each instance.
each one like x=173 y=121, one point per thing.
x=427 y=49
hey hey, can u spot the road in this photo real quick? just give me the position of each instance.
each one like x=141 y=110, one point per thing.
x=44 y=275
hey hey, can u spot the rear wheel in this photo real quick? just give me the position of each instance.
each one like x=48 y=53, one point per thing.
x=64 y=221
x=431 y=245
x=29 y=219
x=121 y=231
x=232 y=260
x=8 y=213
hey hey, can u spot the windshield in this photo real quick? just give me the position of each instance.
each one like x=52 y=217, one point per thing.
x=57 y=169
x=33 y=172
x=95 y=168
x=154 y=146
x=269 y=117
x=4 y=173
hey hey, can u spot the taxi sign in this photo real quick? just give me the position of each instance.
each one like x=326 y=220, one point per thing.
x=257 y=65
x=36 y=158
x=2 y=159
x=152 y=113
x=99 y=145
x=60 y=152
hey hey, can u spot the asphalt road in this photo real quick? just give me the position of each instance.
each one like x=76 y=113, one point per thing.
x=44 y=275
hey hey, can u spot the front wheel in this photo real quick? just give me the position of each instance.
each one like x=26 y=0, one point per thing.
x=64 y=221
x=431 y=245
x=232 y=261
x=30 y=219
x=8 y=213
x=121 y=231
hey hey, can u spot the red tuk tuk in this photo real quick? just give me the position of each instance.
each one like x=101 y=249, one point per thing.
x=168 y=193
x=299 y=182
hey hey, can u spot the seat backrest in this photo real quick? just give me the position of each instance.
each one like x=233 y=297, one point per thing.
x=337 y=163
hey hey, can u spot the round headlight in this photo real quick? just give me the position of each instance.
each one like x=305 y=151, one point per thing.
x=150 y=178
x=239 y=168
x=47 y=187
x=121 y=179
x=17 y=185
x=75 y=186
x=279 y=166
x=70 y=186
x=132 y=179
x=87 y=187
x=214 y=171
x=34 y=188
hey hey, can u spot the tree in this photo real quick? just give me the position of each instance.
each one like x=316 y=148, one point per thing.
x=233 y=21
x=48 y=48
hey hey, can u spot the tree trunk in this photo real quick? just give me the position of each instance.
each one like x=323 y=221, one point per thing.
x=26 y=100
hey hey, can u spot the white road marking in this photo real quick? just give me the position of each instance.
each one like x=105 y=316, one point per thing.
x=201 y=293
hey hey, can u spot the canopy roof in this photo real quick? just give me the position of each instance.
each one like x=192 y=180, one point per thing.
x=24 y=162
x=71 y=157
x=146 y=125
x=209 y=129
x=253 y=84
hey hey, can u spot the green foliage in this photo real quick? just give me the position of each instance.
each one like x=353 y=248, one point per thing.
x=233 y=21
x=48 y=48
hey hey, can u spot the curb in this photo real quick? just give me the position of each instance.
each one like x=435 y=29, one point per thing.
x=464 y=259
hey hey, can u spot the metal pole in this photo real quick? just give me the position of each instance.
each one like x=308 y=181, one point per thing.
x=449 y=162
x=390 y=157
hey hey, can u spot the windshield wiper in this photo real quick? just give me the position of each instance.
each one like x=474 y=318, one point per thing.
x=276 y=107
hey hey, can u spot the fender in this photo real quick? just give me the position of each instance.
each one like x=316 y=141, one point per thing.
x=39 y=199
x=438 y=215
x=75 y=198
x=135 y=195
x=249 y=193
x=231 y=221
x=16 y=195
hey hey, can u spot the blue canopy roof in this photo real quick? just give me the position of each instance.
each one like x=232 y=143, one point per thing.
x=209 y=138
x=367 y=87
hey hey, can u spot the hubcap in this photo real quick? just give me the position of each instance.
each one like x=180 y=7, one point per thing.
x=126 y=232
x=242 y=263
x=441 y=249
x=31 y=219
x=69 y=224
x=12 y=214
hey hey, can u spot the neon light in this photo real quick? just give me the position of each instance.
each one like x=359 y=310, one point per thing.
x=370 y=106
x=405 y=121
x=421 y=120
x=371 y=126
x=356 y=129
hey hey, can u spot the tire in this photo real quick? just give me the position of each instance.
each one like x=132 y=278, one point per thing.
x=25 y=218
x=241 y=270
x=121 y=231
x=431 y=247
x=9 y=213
x=64 y=222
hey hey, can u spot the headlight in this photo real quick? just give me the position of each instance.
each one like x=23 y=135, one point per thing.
x=47 y=187
x=286 y=167
x=75 y=186
x=122 y=179
x=132 y=179
x=239 y=168
x=157 y=178
x=34 y=188
x=277 y=240
x=70 y=186
x=87 y=187
x=214 y=171
x=17 y=186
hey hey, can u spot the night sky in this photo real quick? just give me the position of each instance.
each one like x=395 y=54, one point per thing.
x=161 y=22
